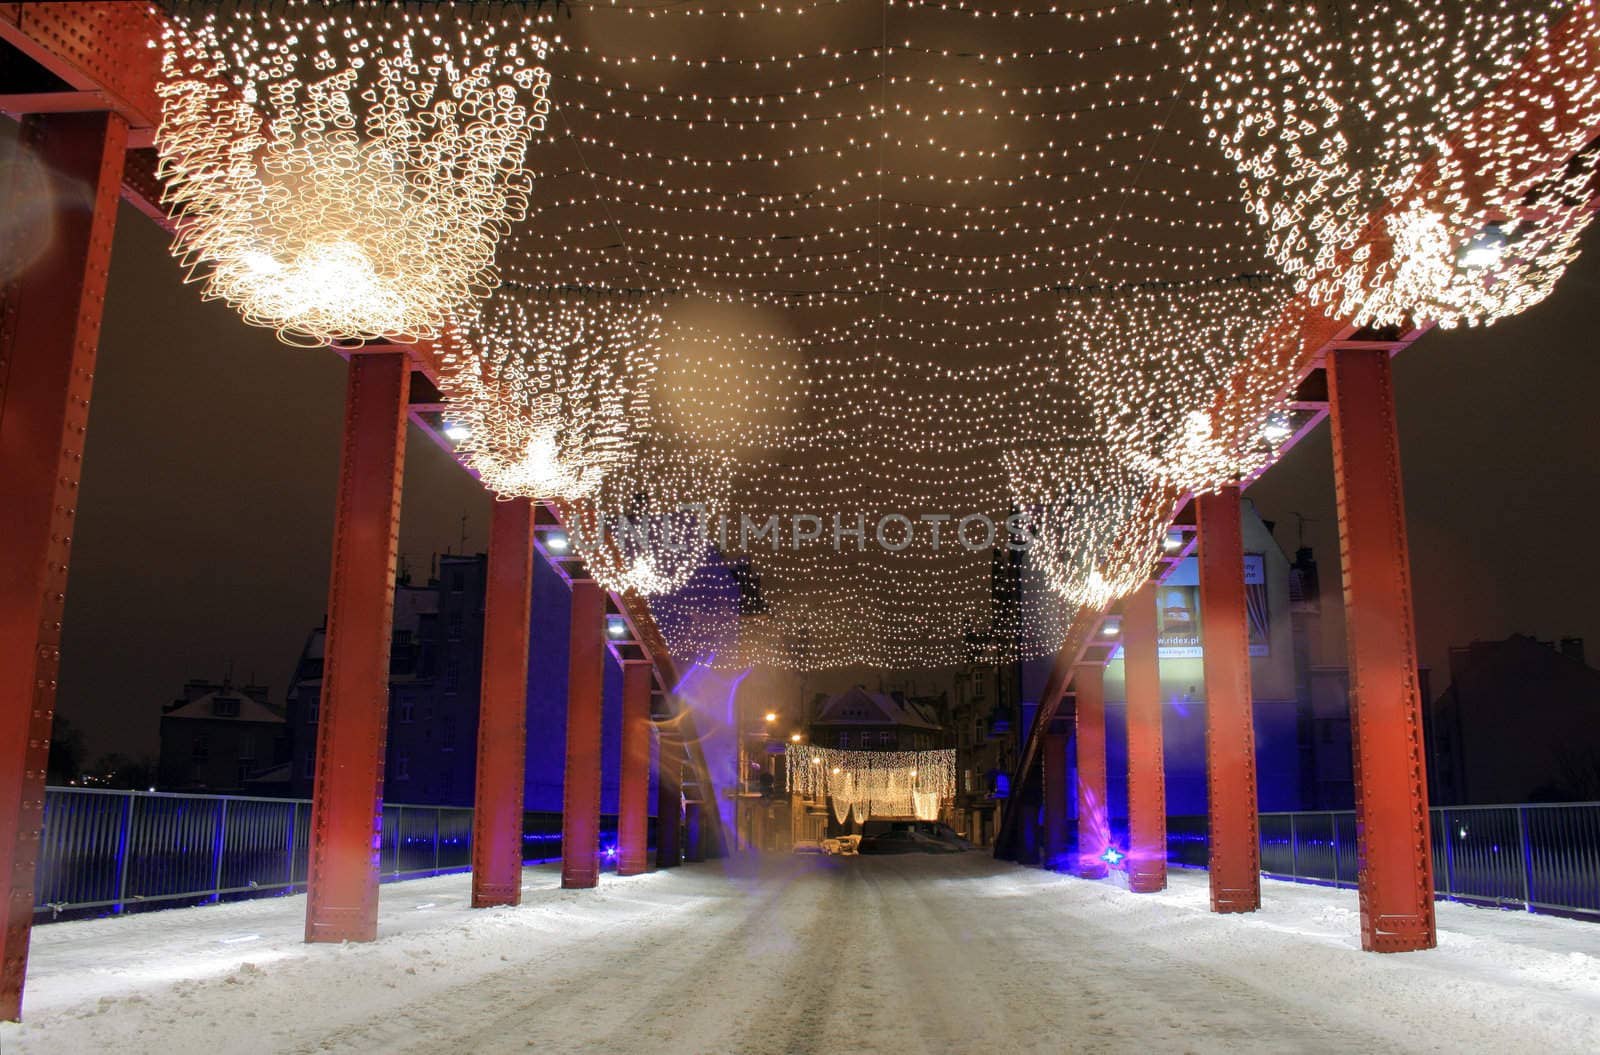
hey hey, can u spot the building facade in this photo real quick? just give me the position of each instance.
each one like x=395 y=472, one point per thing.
x=221 y=738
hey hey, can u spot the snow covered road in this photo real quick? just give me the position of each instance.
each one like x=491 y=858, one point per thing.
x=812 y=955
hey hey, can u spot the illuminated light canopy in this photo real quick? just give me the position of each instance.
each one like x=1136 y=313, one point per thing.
x=551 y=391
x=345 y=174
x=1392 y=181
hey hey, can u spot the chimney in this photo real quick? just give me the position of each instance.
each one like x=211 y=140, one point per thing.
x=1572 y=648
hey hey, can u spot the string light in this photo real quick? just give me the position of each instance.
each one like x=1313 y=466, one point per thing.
x=346 y=174
x=1390 y=181
x=865 y=784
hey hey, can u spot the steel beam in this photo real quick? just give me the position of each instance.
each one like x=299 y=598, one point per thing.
x=1235 y=849
x=669 y=799
x=1147 y=785
x=1396 y=866
x=1056 y=792
x=633 y=788
x=353 y=716
x=1094 y=824
x=49 y=332
x=503 y=708
x=580 y=812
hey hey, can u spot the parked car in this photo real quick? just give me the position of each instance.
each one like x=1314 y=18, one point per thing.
x=911 y=837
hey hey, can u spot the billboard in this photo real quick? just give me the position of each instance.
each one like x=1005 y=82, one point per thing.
x=1178 y=619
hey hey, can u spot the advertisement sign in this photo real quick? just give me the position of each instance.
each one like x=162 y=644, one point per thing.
x=1179 y=627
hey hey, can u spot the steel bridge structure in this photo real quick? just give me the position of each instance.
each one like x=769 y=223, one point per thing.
x=82 y=78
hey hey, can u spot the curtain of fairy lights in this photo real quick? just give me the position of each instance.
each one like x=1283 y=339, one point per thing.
x=345 y=172
x=874 y=783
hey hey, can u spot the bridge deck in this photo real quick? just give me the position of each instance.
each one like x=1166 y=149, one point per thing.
x=903 y=954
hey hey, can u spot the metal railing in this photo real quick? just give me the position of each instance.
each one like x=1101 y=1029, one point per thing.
x=1542 y=857
x=104 y=849
x=111 y=851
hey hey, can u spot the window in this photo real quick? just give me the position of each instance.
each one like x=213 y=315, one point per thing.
x=313 y=710
x=247 y=747
x=225 y=706
x=402 y=765
x=200 y=750
x=447 y=737
x=402 y=638
x=245 y=766
x=844 y=741
x=458 y=622
x=309 y=765
x=452 y=674
x=404 y=710
x=885 y=739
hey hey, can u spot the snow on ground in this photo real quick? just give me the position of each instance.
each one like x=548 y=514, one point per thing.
x=812 y=955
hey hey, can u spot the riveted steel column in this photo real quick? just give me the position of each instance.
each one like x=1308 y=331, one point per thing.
x=669 y=799
x=503 y=708
x=1147 y=785
x=49 y=331
x=1094 y=826
x=633 y=785
x=1235 y=848
x=1395 y=862
x=352 y=723
x=1056 y=793
x=580 y=812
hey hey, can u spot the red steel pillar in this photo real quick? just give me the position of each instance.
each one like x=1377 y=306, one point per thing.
x=347 y=797
x=1235 y=847
x=586 y=668
x=49 y=331
x=669 y=799
x=503 y=708
x=1094 y=823
x=1056 y=814
x=633 y=790
x=1147 y=786
x=1393 y=847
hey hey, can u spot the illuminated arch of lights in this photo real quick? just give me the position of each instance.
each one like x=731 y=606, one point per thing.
x=924 y=258
x=345 y=173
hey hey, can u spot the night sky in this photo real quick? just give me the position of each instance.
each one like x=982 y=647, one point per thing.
x=207 y=502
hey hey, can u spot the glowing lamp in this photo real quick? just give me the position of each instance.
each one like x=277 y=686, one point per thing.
x=1113 y=856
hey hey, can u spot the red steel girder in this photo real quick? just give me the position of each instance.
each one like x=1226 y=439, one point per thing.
x=1393 y=847
x=347 y=798
x=1147 y=784
x=669 y=799
x=1235 y=850
x=1094 y=822
x=580 y=810
x=1056 y=792
x=49 y=332
x=503 y=708
x=633 y=786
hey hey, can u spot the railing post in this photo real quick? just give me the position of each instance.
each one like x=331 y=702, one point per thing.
x=1333 y=837
x=294 y=824
x=217 y=845
x=125 y=842
x=436 y=841
x=1294 y=848
x=399 y=838
x=1527 y=858
x=1449 y=853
